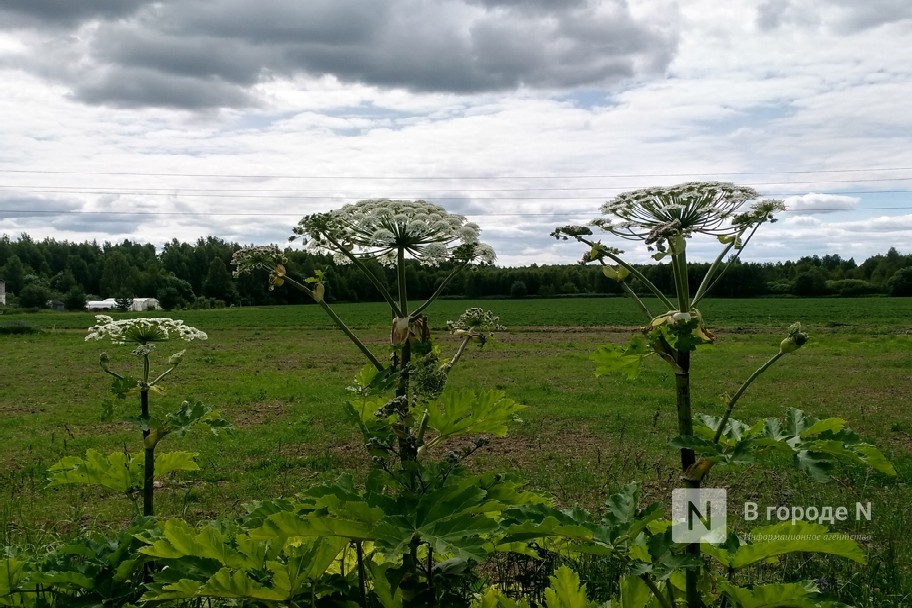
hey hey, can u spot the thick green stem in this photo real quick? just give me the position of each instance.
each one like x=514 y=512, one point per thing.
x=400 y=279
x=685 y=429
x=734 y=399
x=707 y=278
x=679 y=268
x=633 y=271
x=162 y=375
x=459 y=351
x=149 y=462
x=338 y=321
x=630 y=293
x=743 y=244
x=439 y=290
x=685 y=412
x=362 y=585
x=370 y=275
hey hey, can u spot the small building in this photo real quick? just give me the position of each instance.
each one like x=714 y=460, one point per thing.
x=145 y=304
x=102 y=305
x=55 y=305
x=137 y=304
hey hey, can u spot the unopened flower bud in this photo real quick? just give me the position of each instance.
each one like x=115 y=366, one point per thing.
x=794 y=340
x=103 y=361
x=176 y=358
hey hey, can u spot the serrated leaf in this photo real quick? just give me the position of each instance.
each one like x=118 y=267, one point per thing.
x=777 y=595
x=190 y=416
x=117 y=471
x=121 y=386
x=565 y=591
x=467 y=412
x=611 y=358
x=174 y=461
x=352 y=520
x=307 y=559
x=494 y=598
x=800 y=536
x=178 y=539
x=235 y=584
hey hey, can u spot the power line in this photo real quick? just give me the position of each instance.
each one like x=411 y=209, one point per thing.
x=287 y=214
x=418 y=178
x=215 y=191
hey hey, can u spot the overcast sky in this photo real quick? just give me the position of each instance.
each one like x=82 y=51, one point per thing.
x=231 y=118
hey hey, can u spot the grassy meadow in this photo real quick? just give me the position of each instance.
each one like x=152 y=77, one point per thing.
x=279 y=374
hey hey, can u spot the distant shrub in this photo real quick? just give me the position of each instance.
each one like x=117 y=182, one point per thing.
x=850 y=288
x=900 y=284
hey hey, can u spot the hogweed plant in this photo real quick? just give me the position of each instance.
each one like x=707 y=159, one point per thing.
x=120 y=471
x=665 y=219
x=421 y=521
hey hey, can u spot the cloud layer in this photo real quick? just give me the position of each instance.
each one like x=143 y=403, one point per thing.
x=181 y=119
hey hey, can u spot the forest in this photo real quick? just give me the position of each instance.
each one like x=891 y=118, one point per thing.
x=198 y=275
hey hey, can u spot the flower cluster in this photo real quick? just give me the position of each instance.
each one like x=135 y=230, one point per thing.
x=476 y=320
x=142 y=331
x=657 y=214
x=382 y=228
x=248 y=259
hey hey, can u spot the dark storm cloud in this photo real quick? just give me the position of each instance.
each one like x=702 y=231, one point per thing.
x=138 y=87
x=24 y=13
x=195 y=54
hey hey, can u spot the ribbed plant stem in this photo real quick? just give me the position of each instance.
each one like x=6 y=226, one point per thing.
x=149 y=463
x=685 y=429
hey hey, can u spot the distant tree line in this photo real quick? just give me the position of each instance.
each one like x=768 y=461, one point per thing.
x=198 y=275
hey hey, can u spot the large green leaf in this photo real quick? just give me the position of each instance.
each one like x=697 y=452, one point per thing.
x=178 y=539
x=634 y=593
x=611 y=358
x=13 y=574
x=494 y=598
x=816 y=445
x=788 y=537
x=192 y=415
x=226 y=584
x=565 y=591
x=117 y=471
x=777 y=595
x=174 y=461
x=467 y=412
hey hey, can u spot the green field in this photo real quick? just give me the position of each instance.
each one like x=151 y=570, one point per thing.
x=279 y=374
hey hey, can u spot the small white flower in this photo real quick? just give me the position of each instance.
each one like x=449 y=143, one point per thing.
x=142 y=331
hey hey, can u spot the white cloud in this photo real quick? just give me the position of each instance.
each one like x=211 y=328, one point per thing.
x=814 y=202
x=787 y=99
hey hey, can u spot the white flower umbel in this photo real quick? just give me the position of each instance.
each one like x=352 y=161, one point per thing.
x=385 y=229
x=655 y=215
x=142 y=331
